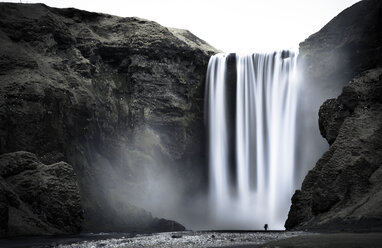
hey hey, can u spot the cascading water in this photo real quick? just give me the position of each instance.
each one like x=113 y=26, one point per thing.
x=251 y=112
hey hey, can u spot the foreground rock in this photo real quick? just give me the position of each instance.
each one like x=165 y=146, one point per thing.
x=120 y=99
x=344 y=190
x=37 y=199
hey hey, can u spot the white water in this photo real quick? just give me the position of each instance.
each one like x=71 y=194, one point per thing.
x=255 y=187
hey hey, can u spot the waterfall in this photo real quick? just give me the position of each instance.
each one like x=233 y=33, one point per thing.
x=251 y=116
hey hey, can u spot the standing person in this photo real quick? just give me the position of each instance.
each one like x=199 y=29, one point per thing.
x=266 y=227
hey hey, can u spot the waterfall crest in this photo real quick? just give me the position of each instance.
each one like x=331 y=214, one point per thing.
x=251 y=118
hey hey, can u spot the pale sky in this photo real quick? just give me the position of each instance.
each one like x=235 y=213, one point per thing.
x=228 y=25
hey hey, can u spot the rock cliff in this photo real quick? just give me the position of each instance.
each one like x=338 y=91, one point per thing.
x=348 y=45
x=119 y=99
x=343 y=190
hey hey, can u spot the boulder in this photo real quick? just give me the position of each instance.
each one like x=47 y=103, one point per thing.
x=163 y=225
x=38 y=199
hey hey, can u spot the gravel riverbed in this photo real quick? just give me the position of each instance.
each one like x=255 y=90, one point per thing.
x=187 y=239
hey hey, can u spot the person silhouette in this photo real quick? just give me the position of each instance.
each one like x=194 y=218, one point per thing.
x=266 y=227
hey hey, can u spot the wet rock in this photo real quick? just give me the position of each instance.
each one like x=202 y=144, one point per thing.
x=36 y=198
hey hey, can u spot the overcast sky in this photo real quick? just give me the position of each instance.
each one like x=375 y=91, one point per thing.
x=229 y=25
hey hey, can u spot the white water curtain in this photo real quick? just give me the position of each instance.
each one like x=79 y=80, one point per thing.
x=265 y=121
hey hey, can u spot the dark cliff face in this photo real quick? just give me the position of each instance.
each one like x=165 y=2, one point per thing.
x=343 y=190
x=120 y=99
x=345 y=47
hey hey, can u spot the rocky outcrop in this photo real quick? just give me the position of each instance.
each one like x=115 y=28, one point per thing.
x=119 y=99
x=37 y=199
x=344 y=190
x=163 y=225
